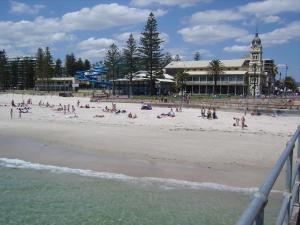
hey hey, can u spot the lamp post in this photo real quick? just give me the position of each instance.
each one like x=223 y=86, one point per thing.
x=254 y=80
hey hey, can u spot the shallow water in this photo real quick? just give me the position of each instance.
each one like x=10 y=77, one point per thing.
x=31 y=196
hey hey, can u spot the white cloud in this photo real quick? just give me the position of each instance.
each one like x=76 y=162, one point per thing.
x=237 y=48
x=277 y=36
x=104 y=16
x=205 y=53
x=123 y=37
x=214 y=16
x=182 y=52
x=271 y=7
x=42 y=32
x=181 y=3
x=271 y=19
x=93 y=43
x=210 y=34
x=93 y=54
x=19 y=7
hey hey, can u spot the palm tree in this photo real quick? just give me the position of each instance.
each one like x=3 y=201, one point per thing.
x=215 y=69
x=271 y=79
x=180 y=78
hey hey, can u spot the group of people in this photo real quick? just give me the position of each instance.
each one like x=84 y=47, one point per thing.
x=22 y=107
x=66 y=108
x=237 y=122
x=132 y=116
x=209 y=114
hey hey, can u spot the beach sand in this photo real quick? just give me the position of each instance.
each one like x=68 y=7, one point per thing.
x=186 y=147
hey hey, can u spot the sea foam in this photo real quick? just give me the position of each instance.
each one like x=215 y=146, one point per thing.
x=164 y=183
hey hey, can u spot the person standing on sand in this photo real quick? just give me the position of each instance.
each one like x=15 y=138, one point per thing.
x=78 y=103
x=65 y=109
x=11 y=113
x=20 y=113
x=243 y=122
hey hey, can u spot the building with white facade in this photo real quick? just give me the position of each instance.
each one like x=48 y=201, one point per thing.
x=240 y=76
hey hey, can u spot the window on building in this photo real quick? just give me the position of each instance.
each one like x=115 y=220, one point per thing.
x=239 y=78
x=203 y=78
x=209 y=78
x=232 y=78
x=189 y=78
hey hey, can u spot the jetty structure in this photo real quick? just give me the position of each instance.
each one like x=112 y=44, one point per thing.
x=289 y=211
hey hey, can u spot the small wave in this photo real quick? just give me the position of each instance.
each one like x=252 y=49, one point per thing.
x=164 y=183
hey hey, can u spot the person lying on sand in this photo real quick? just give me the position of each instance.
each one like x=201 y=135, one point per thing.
x=72 y=116
x=169 y=114
x=98 y=116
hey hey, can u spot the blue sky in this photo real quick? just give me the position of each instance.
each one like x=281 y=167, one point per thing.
x=215 y=28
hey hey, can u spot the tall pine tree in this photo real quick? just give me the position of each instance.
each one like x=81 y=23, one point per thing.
x=131 y=59
x=48 y=66
x=58 y=70
x=4 y=71
x=40 y=73
x=87 y=65
x=70 y=65
x=150 y=50
x=112 y=58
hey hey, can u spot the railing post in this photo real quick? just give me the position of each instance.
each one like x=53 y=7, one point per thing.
x=298 y=169
x=259 y=220
x=288 y=181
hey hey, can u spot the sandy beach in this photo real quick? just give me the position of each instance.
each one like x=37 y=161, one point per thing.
x=186 y=147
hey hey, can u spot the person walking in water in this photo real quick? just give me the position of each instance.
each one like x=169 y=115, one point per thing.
x=11 y=113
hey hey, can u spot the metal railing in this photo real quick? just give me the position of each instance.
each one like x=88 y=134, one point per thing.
x=255 y=210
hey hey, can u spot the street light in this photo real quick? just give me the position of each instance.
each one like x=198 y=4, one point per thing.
x=254 y=80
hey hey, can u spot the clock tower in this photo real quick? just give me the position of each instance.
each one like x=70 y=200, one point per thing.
x=255 y=67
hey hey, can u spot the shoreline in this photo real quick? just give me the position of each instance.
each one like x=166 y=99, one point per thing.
x=186 y=147
x=31 y=145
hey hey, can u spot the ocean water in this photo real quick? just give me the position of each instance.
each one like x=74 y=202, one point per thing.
x=42 y=195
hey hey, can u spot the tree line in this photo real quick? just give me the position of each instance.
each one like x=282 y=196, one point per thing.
x=22 y=72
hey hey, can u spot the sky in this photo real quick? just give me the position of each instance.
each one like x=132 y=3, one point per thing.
x=217 y=29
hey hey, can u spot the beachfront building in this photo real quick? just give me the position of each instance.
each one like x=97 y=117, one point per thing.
x=140 y=84
x=56 y=84
x=22 y=70
x=240 y=76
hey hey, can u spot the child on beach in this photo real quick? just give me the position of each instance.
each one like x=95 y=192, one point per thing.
x=209 y=116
